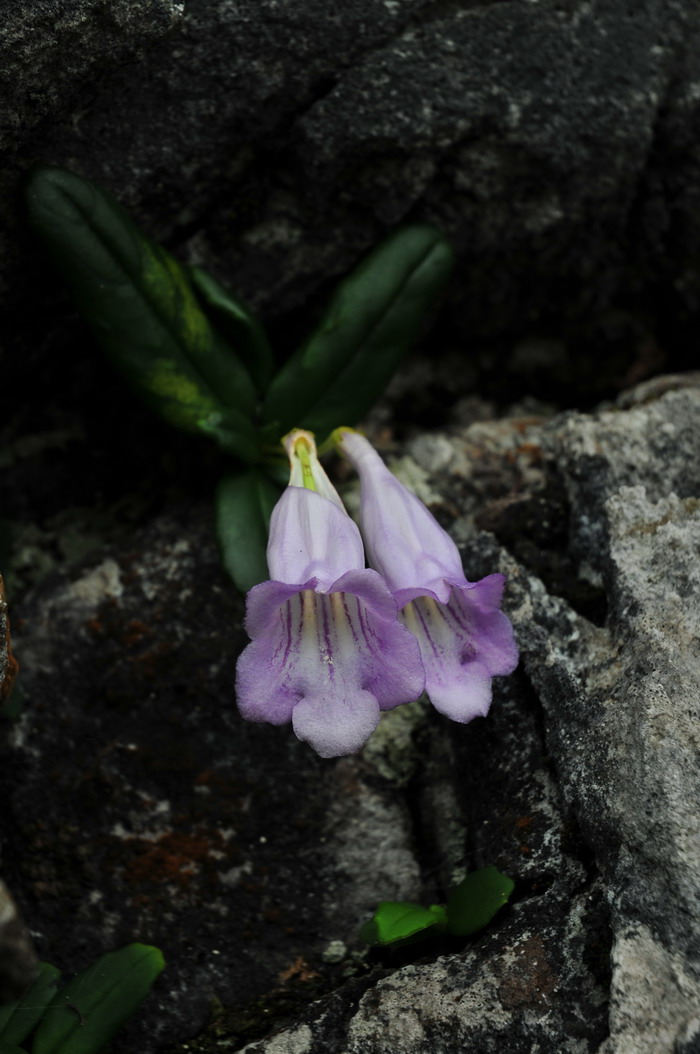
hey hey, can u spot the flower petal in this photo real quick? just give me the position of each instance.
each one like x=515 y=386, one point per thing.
x=391 y=664
x=265 y=690
x=463 y=697
x=404 y=541
x=476 y=607
x=310 y=537
x=329 y=661
x=371 y=588
x=264 y=601
x=463 y=644
x=338 y=724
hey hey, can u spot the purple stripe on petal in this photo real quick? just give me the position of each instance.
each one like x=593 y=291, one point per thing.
x=264 y=601
x=490 y=631
x=463 y=644
x=329 y=661
x=351 y=621
x=431 y=639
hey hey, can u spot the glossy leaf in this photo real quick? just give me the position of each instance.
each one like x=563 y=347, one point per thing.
x=244 y=503
x=139 y=303
x=18 y=1019
x=369 y=325
x=474 y=902
x=88 y=1012
x=399 y=921
x=238 y=324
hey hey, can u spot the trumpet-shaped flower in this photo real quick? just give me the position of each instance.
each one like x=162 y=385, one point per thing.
x=327 y=650
x=464 y=637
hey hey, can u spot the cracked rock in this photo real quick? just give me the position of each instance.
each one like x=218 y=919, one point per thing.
x=619 y=710
x=274 y=142
x=140 y=806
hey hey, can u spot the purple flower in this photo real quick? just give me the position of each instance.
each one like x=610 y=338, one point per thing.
x=327 y=651
x=464 y=638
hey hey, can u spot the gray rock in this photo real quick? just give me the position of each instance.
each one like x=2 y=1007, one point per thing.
x=18 y=962
x=50 y=50
x=622 y=705
x=275 y=142
x=141 y=807
x=621 y=726
x=53 y=57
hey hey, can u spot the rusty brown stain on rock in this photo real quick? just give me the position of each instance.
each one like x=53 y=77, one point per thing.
x=532 y=451
x=299 y=970
x=136 y=631
x=174 y=858
x=530 y=980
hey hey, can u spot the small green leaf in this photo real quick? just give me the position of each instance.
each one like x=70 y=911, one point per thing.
x=399 y=921
x=239 y=325
x=88 y=1012
x=474 y=902
x=244 y=503
x=18 y=1019
x=139 y=303
x=371 y=322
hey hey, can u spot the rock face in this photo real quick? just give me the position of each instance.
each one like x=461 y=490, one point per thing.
x=620 y=705
x=50 y=51
x=52 y=56
x=621 y=702
x=274 y=141
x=18 y=962
x=141 y=807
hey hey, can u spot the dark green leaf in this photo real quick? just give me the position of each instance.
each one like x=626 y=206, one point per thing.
x=232 y=432
x=240 y=327
x=244 y=503
x=18 y=1019
x=475 y=901
x=87 y=1013
x=10 y=1048
x=139 y=303
x=398 y=921
x=371 y=322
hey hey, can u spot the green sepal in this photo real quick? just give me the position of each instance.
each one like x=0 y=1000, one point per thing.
x=138 y=301
x=85 y=1015
x=238 y=324
x=18 y=1019
x=474 y=902
x=400 y=922
x=244 y=504
x=369 y=325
